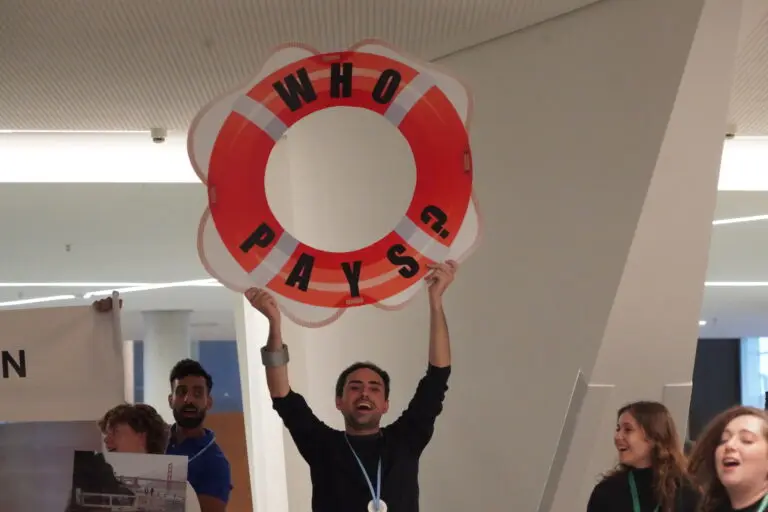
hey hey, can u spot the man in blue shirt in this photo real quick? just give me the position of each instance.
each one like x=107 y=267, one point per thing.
x=208 y=469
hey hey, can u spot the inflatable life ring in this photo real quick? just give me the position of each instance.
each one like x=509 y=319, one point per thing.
x=404 y=96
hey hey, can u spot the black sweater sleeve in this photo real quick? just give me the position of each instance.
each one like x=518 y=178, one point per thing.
x=417 y=423
x=305 y=428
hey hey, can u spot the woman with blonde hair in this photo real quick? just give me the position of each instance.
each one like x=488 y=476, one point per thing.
x=651 y=475
x=730 y=461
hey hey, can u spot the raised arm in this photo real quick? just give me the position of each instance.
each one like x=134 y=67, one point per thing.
x=274 y=353
x=439 y=342
x=306 y=429
x=417 y=423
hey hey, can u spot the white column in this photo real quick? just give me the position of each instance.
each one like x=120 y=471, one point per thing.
x=166 y=342
x=128 y=373
x=263 y=427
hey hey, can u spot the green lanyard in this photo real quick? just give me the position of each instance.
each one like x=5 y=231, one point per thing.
x=636 y=498
x=763 y=504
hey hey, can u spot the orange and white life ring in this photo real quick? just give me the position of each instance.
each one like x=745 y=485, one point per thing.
x=404 y=96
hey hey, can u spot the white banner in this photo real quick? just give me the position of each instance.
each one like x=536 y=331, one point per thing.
x=59 y=364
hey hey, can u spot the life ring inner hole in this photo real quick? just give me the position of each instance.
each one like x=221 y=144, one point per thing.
x=340 y=179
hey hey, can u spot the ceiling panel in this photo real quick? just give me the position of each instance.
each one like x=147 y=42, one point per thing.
x=749 y=102
x=96 y=65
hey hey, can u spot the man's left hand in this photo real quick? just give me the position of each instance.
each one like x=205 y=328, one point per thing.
x=440 y=277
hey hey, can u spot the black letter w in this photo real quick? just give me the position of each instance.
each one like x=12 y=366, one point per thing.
x=294 y=90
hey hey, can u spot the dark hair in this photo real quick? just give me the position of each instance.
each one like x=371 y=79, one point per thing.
x=342 y=380
x=667 y=460
x=142 y=419
x=701 y=464
x=190 y=367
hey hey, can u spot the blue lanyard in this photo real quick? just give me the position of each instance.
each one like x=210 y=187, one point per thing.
x=635 y=497
x=375 y=494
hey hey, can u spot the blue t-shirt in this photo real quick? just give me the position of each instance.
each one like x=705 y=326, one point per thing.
x=208 y=470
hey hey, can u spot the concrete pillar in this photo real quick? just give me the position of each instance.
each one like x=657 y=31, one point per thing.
x=166 y=342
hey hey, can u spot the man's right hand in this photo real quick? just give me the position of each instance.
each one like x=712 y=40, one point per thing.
x=264 y=303
x=104 y=305
x=277 y=376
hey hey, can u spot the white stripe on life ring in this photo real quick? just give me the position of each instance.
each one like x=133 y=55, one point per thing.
x=421 y=241
x=275 y=260
x=261 y=116
x=408 y=97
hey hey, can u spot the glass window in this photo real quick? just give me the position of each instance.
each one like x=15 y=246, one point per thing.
x=219 y=358
x=754 y=371
x=138 y=371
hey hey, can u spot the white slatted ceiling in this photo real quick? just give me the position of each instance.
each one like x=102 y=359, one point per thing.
x=134 y=64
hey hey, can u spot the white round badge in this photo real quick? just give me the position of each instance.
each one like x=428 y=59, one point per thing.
x=372 y=506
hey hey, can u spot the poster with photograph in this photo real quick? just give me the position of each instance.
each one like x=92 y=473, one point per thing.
x=128 y=482
x=36 y=463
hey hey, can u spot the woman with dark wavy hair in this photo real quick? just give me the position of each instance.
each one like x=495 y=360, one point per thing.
x=651 y=475
x=730 y=461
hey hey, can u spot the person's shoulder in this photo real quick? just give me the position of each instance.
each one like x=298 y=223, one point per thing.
x=217 y=458
x=608 y=484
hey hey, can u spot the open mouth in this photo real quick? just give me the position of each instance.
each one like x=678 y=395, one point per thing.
x=730 y=462
x=364 y=406
x=622 y=449
x=189 y=412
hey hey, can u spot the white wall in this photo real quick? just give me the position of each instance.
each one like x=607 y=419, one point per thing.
x=573 y=177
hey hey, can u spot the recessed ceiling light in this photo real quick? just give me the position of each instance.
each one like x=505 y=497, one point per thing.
x=134 y=287
x=744 y=163
x=735 y=284
x=38 y=300
x=739 y=220
x=131 y=157
x=702 y=323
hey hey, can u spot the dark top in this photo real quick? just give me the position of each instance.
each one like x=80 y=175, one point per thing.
x=752 y=508
x=613 y=494
x=208 y=470
x=338 y=484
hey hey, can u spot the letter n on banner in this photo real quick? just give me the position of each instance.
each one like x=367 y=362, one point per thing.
x=59 y=364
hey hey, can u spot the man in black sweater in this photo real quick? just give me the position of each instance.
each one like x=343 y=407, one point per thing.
x=365 y=467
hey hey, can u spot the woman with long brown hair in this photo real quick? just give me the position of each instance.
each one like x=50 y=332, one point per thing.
x=651 y=475
x=730 y=462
